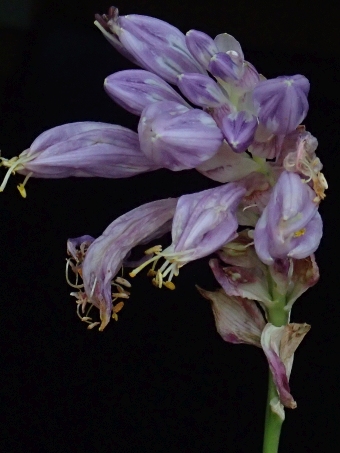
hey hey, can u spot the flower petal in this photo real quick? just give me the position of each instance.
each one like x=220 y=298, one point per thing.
x=135 y=89
x=177 y=138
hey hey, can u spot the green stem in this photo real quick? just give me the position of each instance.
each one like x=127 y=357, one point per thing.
x=278 y=316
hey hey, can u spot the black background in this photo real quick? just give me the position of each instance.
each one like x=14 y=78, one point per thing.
x=160 y=379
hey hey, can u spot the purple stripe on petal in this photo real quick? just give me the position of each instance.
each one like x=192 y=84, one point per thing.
x=201 y=90
x=135 y=89
x=239 y=130
x=201 y=46
x=282 y=102
x=157 y=45
x=177 y=138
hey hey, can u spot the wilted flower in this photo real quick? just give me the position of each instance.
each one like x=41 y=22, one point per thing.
x=105 y=255
x=239 y=320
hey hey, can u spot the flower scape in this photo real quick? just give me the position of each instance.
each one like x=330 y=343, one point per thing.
x=201 y=106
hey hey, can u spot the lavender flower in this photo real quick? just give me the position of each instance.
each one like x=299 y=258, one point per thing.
x=290 y=225
x=80 y=149
x=202 y=223
x=176 y=137
x=104 y=257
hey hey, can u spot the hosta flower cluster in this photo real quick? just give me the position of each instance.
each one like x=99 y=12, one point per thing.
x=201 y=106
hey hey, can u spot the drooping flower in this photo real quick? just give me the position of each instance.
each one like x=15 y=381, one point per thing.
x=105 y=255
x=290 y=225
x=80 y=149
x=202 y=223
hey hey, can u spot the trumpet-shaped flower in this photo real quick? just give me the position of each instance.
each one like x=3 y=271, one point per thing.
x=80 y=149
x=202 y=223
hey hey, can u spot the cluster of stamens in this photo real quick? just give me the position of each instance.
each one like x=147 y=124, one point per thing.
x=120 y=292
x=169 y=268
x=16 y=164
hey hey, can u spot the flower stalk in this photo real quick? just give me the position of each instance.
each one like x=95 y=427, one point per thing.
x=278 y=316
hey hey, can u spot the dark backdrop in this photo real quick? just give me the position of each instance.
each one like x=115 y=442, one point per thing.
x=160 y=379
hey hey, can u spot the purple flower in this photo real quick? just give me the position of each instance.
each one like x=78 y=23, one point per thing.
x=202 y=223
x=239 y=130
x=105 y=255
x=81 y=149
x=282 y=102
x=290 y=225
x=176 y=137
x=135 y=89
x=154 y=44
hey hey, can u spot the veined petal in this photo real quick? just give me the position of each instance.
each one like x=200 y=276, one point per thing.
x=279 y=345
x=201 y=46
x=105 y=255
x=157 y=45
x=282 y=102
x=237 y=320
x=81 y=149
x=206 y=220
x=177 y=138
x=202 y=223
x=201 y=90
x=239 y=130
x=290 y=225
x=135 y=89
x=226 y=66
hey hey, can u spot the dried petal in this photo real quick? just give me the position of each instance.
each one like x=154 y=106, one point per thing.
x=237 y=320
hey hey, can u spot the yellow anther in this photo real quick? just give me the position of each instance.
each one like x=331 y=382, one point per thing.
x=115 y=316
x=92 y=325
x=169 y=285
x=122 y=295
x=154 y=249
x=123 y=282
x=151 y=273
x=299 y=233
x=118 y=307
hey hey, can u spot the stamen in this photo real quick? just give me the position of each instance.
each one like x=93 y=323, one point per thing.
x=66 y=275
x=92 y=325
x=154 y=249
x=123 y=282
x=139 y=268
x=299 y=233
x=21 y=187
x=15 y=164
x=122 y=295
x=93 y=287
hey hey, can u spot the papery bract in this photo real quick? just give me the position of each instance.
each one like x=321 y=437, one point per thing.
x=227 y=166
x=279 y=345
x=237 y=320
